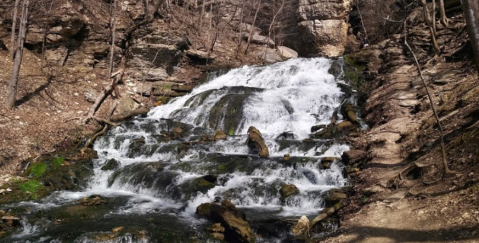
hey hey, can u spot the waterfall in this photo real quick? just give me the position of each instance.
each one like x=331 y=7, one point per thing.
x=155 y=172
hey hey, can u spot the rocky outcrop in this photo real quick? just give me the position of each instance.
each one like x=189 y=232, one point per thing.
x=256 y=142
x=236 y=228
x=325 y=24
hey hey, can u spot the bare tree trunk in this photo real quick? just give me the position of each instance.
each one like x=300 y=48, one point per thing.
x=471 y=14
x=12 y=86
x=240 y=38
x=14 y=26
x=434 y=17
x=202 y=14
x=442 y=11
x=427 y=19
x=112 y=46
x=273 y=21
x=252 y=26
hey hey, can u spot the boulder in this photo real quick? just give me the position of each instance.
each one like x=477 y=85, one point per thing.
x=127 y=105
x=11 y=221
x=334 y=196
x=236 y=228
x=301 y=229
x=349 y=113
x=353 y=156
x=220 y=135
x=269 y=55
x=287 y=52
x=246 y=28
x=93 y=200
x=200 y=57
x=288 y=190
x=111 y=164
x=259 y=39
x=256 y=142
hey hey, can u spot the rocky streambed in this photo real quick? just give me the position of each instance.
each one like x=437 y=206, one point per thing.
x=241 y=158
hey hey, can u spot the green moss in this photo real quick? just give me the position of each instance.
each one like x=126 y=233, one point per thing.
x=58 y=161
x=231 y=131
x=38 y=170
x=31 y=187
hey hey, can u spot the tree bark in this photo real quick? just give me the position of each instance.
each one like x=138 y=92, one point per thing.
x=471 y=14
x=252 y=28
x=442 y=12
x=14 y=27
x=112 y=46
x=12 y=86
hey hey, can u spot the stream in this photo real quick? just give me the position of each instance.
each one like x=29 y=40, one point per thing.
x=155 y=170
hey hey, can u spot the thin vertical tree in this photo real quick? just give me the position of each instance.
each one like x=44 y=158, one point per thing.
x=12 y=86
x=113 y=30
x=257 y=7
x=471 y=14
x=14 y=27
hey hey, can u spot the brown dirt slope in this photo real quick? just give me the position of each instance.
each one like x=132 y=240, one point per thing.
x=399 y=193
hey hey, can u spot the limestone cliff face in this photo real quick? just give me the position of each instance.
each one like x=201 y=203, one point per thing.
x=324 y=22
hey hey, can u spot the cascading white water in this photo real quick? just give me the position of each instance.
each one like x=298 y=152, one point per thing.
x=310 y=94
x=159 y=175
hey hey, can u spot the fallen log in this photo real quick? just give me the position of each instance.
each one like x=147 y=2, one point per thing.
x=326 y=213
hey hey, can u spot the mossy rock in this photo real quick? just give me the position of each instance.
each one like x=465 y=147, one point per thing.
x=111 y=164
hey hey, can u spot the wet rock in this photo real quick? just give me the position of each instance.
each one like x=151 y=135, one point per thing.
x=256 y=142
x=236 y=228
x=288 y=191
x=327 y=161
x=334 y=196
x=353 y=156
x=318 y=127
x=328 y=132
x=203 y=184
x=301 y=229
x=345 y=125
x=349 y=113
x=217 y=231
x=286 y=135
x=11 y=221
x=220 y=135
x=93 y=200
x=111 y=164
x=118 y=229
x=286 y=157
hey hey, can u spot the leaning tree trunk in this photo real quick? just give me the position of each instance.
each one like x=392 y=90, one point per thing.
x=471 y=14
x=12 y=86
